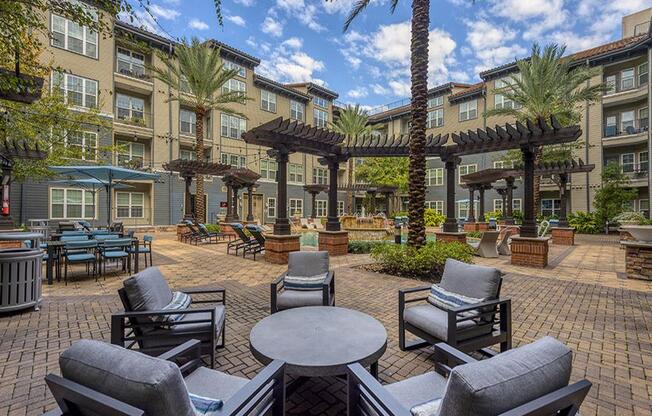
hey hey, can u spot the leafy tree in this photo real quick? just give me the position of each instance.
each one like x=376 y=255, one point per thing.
x=611 y=199
x=419 y=92
x=547 y=84
x=391 y=171
x=351 y=122
x=196 y=72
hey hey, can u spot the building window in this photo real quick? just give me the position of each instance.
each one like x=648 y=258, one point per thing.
x=321 y=117
x=68 y=203
x=130 y=63
x=435 y=176
x=295 y=173
x=436 y=205
x=465 y=170
x=320 y=102
x=296 y=207
x=297 y=111
x=642 y=74
x=187 y=154
x=236 y=161
x=628 y=162
x=131 y=109
x=130 y=152
x=628 y=122
x=73 y=37
x=271 y=207
x=84 y=143
x=500 y=101
x=187 y=122
x=320 y=176
x=268 y=101
x=517 y=204
x=498 y=205
x=502 y=164
x=234 y=85
x=627 y=79
x=610 y=84
x=78 y=91
x=268 y=169
x=550 y=207
x=242 y=72
x=468 y=110
x=435 y=118
x=340 y=208
x=462 y=209
x=436 y=101
x=130 y=204
x=321 y=205
x=643 y=115
x=644 y=205
x=643 y=162
x=232 y=126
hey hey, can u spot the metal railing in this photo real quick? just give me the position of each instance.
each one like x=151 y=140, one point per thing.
x=133 y=72
x=620 y=86
x=390 y=106
x=636 y=170
x=132 y=117
x=626 y=128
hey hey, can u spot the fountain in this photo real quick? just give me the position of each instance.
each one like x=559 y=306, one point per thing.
x=366 y=228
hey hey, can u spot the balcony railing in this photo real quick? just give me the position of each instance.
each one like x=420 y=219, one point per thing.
x=390 y=106
x=134 y=72
x=631 y=127
x=133 y=117
x=636 y=169
x=133 y=162
x=622 y=86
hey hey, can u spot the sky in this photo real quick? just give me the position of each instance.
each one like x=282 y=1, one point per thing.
x=302 y=40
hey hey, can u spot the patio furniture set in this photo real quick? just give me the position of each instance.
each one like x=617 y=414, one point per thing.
x=251 y=243
x=306 y=335
x=198 y=234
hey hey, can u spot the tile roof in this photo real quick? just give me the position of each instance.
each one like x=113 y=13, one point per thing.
x=284 y=89
x=312 y=86
x=474 y=88
x=404 y=109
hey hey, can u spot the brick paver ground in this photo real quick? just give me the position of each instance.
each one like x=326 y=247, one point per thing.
x=580 y=299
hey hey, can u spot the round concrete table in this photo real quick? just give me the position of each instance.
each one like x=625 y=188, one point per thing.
x=319 y=341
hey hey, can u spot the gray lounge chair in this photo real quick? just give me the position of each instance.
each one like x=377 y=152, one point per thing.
x=304 y=264
x=106 y=380
x=530 y=380
x=144 y=297
x=486 y=247
x=468 y=328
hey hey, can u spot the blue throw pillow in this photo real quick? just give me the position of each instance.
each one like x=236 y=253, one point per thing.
x=205 y=405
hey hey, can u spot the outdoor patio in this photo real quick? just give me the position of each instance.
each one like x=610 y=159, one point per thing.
x=581 y=299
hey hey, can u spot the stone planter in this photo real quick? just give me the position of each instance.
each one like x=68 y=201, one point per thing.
x=641 y=233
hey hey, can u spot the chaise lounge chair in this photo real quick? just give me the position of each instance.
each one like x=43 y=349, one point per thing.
x=486 y=247
x=259 y=246
x=530 y=380
x=106 y=380
x=242 y=240
x=151 y=322
x=481 y=321
x=308 y=282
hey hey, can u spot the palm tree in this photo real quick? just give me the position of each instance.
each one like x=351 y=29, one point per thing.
x=196 y=72
x=547 y=84
x=419 y=92
x=351 y=122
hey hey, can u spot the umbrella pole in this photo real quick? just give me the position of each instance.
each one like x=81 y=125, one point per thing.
x=109 y=189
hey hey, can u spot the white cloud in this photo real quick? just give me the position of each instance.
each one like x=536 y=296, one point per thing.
x=379 y=89
x=272 y=27
x=174 y=2
x=539 y=16
x=236 y=20
x=338 y=6
x=305 y=13
x=246 y=3
x=143 y=20
x=357 y=93
x=483 y=34
x=400 y=88
x=197 y=24
x=492 y=45
x=293 y=42
x=289 y=64
x=164 y=12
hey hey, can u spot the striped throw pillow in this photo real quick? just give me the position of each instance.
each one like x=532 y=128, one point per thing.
x=179 y=301
x=305 y=282
x=205 y=405
x=443 y=299
x=430 y=408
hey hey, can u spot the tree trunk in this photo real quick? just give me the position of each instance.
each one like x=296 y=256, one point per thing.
x=538 y=157
x=200 y=208
x=349 y=193
x=419 y=89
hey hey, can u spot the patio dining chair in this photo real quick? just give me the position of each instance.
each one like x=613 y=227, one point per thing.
x=80 y=252
x=259 y=245
x=106 y=380
x=154 y=322
x=463 y=310
x=115 y=249
x=242 y=240
x=67 y=226
x=307 y=282
x=145 y=248
x=486 y=247
x=529 y=380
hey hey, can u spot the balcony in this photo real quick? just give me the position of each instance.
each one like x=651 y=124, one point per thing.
x=134 y=78
x=637 y=173
x=629 y=132
x=624 y=92
x=133 y=122
x=134 y=162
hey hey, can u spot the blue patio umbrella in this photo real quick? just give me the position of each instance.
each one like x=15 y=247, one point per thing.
x=108 y=176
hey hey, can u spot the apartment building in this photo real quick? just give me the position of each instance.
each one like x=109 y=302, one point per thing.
x=110 y=73
x=615 y=129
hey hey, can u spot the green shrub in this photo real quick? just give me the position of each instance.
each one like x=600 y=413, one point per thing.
x=630 y=217
x=474 y=234
x=398 y=214
x=498 y=214
x=213 y=228
x=518 y=216
x=584 y=222
x=433 y=218
x=364 y=247
x=424 y=263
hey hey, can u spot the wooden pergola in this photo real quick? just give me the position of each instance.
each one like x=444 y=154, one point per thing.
x=236 y=179
x=483 y=180
x=313 y=190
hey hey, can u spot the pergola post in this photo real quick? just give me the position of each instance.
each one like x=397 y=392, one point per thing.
x=563 y=200
x=229 y=203
x=529 y=227
x=188 y=214
x=313 y=211
x=282 y=224
x=250 y=204
x=234 y=214
x=509 y=215
x=481 y=213
x=388 y=198
x=333 y=239
x=372 y=206
x=333 y=221
x=471 y=217
x=450 y=225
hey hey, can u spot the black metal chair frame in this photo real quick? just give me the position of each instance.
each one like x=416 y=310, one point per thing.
x=484 y=314
x=257 y=247
x=145 y=244
x=327 y=288
x=211 y=234
x=71 y=396
x=363 y=386
x=66 y=261
x=126 y=261
x=193 y=236
x=241 y=242
x=128 y=331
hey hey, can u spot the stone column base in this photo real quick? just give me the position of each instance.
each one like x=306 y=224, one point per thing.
x=470 y=226
x=226 y=228
x=335 y=242
x=451 y=237
x=530 y=252
x=638 y=260
x=182 y=229
x=563 y=236
x=279 y=247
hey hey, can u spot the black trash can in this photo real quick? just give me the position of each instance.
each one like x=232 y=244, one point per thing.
x=20 y=279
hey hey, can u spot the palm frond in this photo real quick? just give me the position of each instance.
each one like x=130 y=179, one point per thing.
x=355 y=12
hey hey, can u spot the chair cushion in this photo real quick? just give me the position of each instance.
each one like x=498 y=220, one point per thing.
x=213 y=384
x=304 y=282
x=444 y=299
x=80 y=257
x=470 y=280
x=173 y=335
x=148 y=383
x=289 y=298
x=417 y=390
x=148 y=290
x=429 y=408
x=508 y=380
x=306 y=263
x=434 y=321
x=114 y=254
